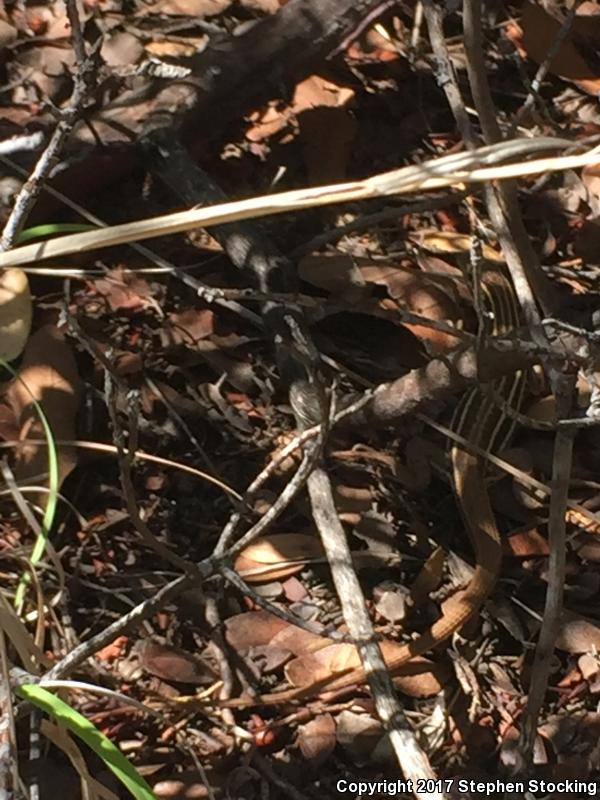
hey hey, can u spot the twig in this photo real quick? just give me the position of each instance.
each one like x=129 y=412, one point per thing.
x=365 y=221
x=477 y=166
x=310 y=627
x=561 y=473
x=530 y=283
x=83 y=84
x=20 y=144
x=224 y=546
x=125 y=457
x=9 y=775
x=299 y=363
x=445 y=73
x=365 y=21
x=213 y=618
x=543 y=68
x=531 y=287
x=268 y=271
x=141 y=612
x=411 y=758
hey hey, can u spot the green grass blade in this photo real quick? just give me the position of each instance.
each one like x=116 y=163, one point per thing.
x=52 y=229
x=88 y=733
x=53 y=487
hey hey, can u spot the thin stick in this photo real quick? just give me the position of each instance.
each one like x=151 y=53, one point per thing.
x=472 y=167
x=83 y=83
x=540 y=673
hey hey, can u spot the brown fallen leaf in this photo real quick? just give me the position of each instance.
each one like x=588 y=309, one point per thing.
x=190 y=326
x=124 y=291
x=415 y=291
x=172 y=664
x=442 y=242
x=317 y=739
x=191 y=8
x=577 y=634
x=298 y=641
x=15 y=313
x=252 y=629
x=540 y=30
x=49 y=374
x=271 y=558
x=418 y=678
x=112 y=650
x=255 y=629
x=352 y=279
x=327 y=136
x=8 y=34
x=358 y=734
x=526 y=544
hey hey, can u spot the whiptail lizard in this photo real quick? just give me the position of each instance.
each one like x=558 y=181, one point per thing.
x=480 y=421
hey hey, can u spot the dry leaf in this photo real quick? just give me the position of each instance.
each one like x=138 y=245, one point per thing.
x=252 y=629
x=526 y=544
x=444 y=242
x=15 y=313
x=391 y=605
x=191 y=8
x=317 y=739
x=326 y=126
x=8 y=34
x=112 y=650
x=577 y=634
x=49 y=374
x=256 y=629
x=540 y=31
x=262 y=560
x=413 y=290
x=49 y=69
x=327 y=136
x=336 y=273
x=172 y=48
x=588 y=666
x=418 y=678
x=299 y=641
x=358 y=734
x=124 y=291
x=121 y=48
x=190 y=326
x=172 y=664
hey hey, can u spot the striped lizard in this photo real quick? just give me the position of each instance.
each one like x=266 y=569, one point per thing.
x=481 y=422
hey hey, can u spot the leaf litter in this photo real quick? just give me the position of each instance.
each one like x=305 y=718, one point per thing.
x=217 y=377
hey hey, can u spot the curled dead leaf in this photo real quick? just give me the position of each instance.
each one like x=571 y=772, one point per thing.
x=15 y=313
x=49 y=375
x=274 y=557
x=415 y=291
